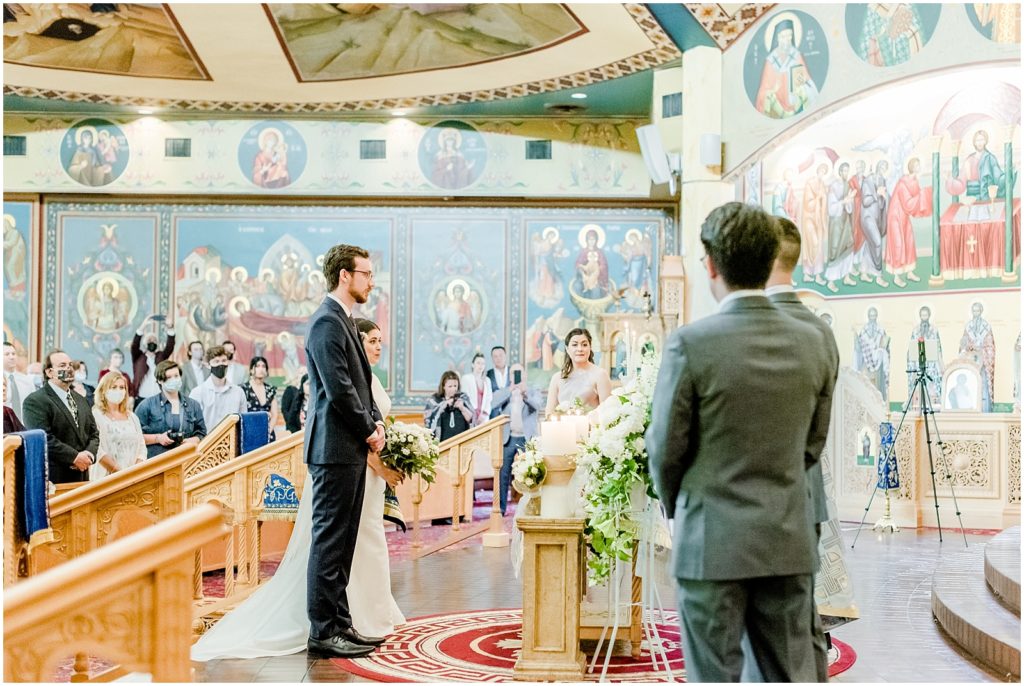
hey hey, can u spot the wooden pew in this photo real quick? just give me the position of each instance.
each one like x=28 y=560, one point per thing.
x=130 y=601
x=103 y=511
x=13 y=549
x=218 y=447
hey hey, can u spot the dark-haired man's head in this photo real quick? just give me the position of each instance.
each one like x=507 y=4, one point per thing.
x=499 y=357
x=10 y=358
x=741 y=242
x=349 y=273
x=789 y=253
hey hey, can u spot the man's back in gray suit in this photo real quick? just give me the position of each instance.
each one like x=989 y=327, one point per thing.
x=737 y=400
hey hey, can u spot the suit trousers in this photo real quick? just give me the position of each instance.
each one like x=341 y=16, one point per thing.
x=514 y=445
x=337 y=502
x=773 y=612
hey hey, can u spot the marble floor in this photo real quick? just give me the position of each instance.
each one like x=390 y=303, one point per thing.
x=896 y=639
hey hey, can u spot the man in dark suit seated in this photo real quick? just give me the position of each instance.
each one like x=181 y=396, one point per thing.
x=72 y=438
x=737 y=401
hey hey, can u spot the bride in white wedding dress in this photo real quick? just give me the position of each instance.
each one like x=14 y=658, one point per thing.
x=273 y=621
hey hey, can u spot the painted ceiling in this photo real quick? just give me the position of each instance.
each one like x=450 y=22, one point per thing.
x=324 y=58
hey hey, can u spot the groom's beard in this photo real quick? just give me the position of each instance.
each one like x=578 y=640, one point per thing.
x=359 y=297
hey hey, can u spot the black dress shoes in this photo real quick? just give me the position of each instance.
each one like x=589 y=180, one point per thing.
x=337 y=646
x=353 y=636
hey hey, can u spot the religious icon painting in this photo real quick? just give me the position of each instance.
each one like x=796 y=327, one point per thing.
x=997 y=21
x=452 y=155
x=885 y=35
x=107 y=302
x=786 y=65
x=272 y=155
x=94 y=152
x=866 y=447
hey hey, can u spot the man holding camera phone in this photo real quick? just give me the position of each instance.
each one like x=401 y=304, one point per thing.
x=522 y=405
x=146 y=355
x=169 y=418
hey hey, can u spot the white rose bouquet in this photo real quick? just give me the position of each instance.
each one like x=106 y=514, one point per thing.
x=528 y=470
x=410 y=449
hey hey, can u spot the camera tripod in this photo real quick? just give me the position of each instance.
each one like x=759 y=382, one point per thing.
x=928 y=412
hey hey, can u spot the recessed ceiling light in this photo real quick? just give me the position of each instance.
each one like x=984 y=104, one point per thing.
x=579 y=96
x=146 y=110
x=398 y=113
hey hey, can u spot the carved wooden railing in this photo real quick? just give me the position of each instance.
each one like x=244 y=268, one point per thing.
x=129 y=602
x=13 y=549
x=239 y=486
x=103 y=511
x=219 y=446
x=457 y=454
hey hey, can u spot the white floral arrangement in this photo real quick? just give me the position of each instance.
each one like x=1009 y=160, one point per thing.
x=528 y=470
x=411 y=449
x=615 y=460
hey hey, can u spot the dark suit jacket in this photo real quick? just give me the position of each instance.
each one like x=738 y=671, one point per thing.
x=45 y=410
x=737 y=401
x=341 y=414
x=139 y=365
x=791 y=305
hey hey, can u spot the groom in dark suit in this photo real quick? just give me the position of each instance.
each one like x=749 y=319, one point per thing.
x=738 y=400
x=342 y=423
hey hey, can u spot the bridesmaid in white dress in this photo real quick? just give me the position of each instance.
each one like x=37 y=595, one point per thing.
x=580 y=378
x=273 y=621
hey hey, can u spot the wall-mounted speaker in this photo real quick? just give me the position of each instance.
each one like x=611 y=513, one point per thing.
x=661 y=166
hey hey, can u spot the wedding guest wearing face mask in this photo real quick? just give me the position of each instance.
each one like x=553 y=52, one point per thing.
x=146 y=355
x=115 y=365
x=216 y=396
x=169 y=418
x=238 y=374
x=195 y=371
x=259 y=395
x=72 y=439
x=19 y=386
x=121 y=441
x=34 y=371
x=79 y=385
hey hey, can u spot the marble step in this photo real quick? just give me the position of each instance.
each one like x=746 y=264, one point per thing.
x=1002 y=567
x=972 y=616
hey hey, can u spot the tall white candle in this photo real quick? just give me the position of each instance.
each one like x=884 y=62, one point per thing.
x=557 y=438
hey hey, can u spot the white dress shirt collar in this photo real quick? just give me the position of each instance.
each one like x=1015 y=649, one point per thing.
x=736 y=295
x=782 y=288
x=336 y=299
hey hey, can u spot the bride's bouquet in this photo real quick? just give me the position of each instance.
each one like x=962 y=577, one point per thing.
x=410 y=449
x=528 y=470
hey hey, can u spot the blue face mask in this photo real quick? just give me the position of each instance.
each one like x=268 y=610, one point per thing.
x=173 y=385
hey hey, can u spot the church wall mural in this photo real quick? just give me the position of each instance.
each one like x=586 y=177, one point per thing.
x=19 y=223
x=789 y=69
x=589 y=158
x=449 y=281
x=905 y=193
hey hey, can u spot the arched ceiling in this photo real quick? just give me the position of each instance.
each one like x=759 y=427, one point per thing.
x=320 y=58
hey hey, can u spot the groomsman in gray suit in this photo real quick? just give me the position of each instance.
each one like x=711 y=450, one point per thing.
x=782 y=294
x=737 y=401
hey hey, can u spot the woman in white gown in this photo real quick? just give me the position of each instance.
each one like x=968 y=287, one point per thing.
x=273 y=621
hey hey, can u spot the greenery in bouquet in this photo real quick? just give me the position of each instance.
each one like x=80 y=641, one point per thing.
x=410 y=449
x=615 y=461
x=528 y=470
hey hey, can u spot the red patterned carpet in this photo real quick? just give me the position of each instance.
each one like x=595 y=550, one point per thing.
x=482 y=646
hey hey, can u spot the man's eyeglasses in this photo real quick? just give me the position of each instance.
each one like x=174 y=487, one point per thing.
x=369 y=275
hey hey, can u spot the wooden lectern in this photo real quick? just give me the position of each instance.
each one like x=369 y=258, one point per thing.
x=553 y=569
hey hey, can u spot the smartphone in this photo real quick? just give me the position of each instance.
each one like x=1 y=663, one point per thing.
x=517 y=376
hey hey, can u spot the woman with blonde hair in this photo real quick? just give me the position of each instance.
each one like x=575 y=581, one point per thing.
x=121 y=440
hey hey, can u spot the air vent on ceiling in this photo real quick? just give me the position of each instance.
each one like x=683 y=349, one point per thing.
x=373 y=149
x=177 y=147
x=671 y=105
x=538 y=150
x=564 y=108
x=15 y=146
